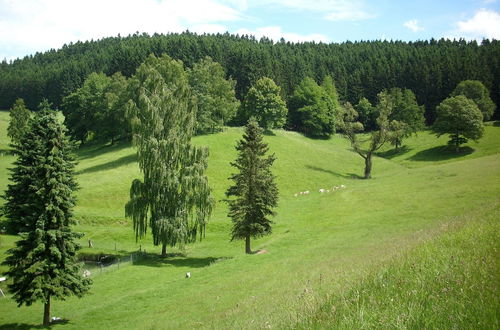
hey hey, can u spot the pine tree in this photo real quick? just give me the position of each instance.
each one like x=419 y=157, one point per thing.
x=254 y=188
x=19 y=117
x=174 y=197
x=43 y=265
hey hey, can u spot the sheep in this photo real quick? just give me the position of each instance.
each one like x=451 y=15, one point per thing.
x=322 y=190
x=306 y=192
x=342 y=186
x=188 y=275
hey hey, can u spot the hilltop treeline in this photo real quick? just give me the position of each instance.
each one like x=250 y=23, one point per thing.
x=431 y=69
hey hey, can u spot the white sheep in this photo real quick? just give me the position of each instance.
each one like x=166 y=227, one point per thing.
x=342 y=186
x=188 y=275
x=322 y=190
x=306 y=192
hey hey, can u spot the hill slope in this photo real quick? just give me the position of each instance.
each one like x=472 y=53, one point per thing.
x=322 y=243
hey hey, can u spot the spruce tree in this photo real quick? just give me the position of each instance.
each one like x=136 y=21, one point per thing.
x=174 y=197
x=254 y=189
x=43 y=265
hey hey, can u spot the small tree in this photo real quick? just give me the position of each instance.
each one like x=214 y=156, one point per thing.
x=367 y=114
x=215 y=95
x=254 y=188
x=174 y=197
x=43 y=265
x=460 y=117
x=477 y=92
x=264 y=103
x=376 y=139
x=18 y=124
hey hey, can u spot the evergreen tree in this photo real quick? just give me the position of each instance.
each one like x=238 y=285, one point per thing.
x=18 y=123
x=43 y=265
x=174 y=197
x=264 y=103
x=460 y=117
x=254 y=189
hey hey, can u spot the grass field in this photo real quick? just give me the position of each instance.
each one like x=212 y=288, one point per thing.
x=375 y=254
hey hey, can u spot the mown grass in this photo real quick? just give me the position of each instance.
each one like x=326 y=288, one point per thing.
x=320 y=242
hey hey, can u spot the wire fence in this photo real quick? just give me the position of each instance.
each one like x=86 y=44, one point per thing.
x=106 y=263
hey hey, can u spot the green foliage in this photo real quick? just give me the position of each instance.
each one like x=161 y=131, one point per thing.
x=174 y=197
x=254 y=189
x=264 y=103
x=18 y=123
x=367 y=114
x=376 y=139
x=312 y=109
x=97 y=109
x=476 y=91
x=215 y=96
x=407 y=112
x=460 y=117
x=39 y=203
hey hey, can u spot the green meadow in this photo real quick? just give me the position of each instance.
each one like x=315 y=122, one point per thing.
x=414 y=247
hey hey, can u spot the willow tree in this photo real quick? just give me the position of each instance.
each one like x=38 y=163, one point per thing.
x=173 y=198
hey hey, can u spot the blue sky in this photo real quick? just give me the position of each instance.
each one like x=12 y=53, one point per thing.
x=28 y=26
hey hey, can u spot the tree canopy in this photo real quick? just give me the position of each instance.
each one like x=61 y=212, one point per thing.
x=264 y=103
x=18 y=123
x=460 y=117
x=174 y=197
x=475 y=90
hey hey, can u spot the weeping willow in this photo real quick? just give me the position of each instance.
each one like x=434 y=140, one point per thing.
x=173 y=199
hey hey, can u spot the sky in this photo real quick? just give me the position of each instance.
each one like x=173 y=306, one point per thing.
x=30 y=26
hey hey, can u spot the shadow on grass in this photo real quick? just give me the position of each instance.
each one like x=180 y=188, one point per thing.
x=496 y=123
x=6 y=152
x=345 y=176
x=389 y=154
x=441 y=153
x=125 y=160
x=22 y=326
x=268 y=132
x=176 y=260
x=96 y=149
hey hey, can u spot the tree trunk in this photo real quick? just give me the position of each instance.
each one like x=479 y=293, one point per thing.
x=247 y=245
x=164 y=250
x=368 y=166
x=46 y=312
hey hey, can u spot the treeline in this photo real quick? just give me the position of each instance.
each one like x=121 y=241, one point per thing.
x=431 y=69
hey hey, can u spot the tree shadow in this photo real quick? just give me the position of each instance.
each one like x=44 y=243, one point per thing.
x=176 y=260
x=389 y=154
x=125 y=160
x=441 y=153
x=25 y=326
x=268 y=132
x=92 y=151
x=6 y=152
x=345 y=176
x=496 y=123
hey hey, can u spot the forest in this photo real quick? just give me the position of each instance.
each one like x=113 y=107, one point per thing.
x=431 y=69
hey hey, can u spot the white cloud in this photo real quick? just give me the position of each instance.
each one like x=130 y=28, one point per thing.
x=275 y=33
x=413 y=25
x=484 y=24
x=37 y=25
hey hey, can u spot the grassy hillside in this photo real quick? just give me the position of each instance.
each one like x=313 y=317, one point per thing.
x=326 y=244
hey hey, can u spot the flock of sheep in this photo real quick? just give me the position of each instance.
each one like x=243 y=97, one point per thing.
x=321 y=191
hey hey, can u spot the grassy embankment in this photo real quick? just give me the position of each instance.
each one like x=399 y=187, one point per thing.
x=331 y=256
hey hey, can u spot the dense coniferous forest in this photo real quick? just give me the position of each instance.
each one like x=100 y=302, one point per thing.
x=431 y=69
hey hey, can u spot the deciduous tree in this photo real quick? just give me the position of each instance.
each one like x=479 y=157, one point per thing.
x=460 y=117
x=18 y=123
x=477 y=92
x=174 y=197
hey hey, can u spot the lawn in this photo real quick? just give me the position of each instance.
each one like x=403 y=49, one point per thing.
x=324 y=246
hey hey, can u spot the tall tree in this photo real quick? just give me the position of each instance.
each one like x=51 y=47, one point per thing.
x=18 y=123
x=254 y=189
x=367 y=114
x=43 y=265
x=460 y=117
x=174 y=197
x=477 y=92
x=264 y=103
x=215 y=96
